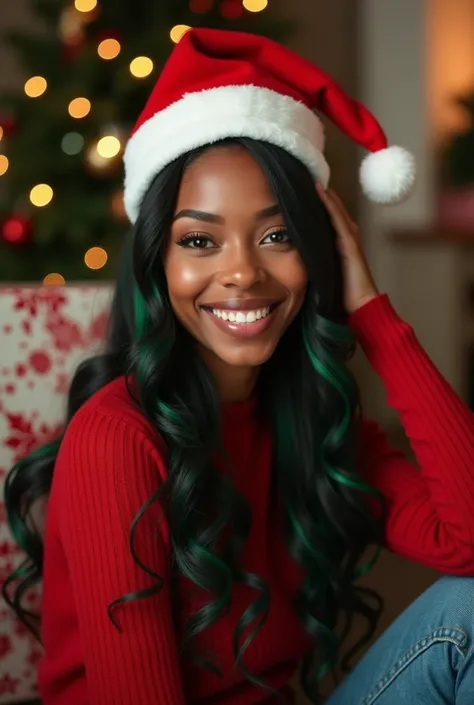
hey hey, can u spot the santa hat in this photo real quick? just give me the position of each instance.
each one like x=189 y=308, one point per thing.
x=219 y=84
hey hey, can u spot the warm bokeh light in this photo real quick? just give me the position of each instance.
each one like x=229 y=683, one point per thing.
x=141 y=67
x=1 y=132
x=41 y=195
x=35 y=86
x=85 y=5
x=72 y=143
x=95 y=258
x=109 y=49
x=178 y=32
x=54 y=279
x=200 y=6
x=255 y=5
x=108 y=147
x=79 y=108
x=4 y=164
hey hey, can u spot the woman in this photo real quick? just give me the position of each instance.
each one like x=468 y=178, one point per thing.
x=216 y=486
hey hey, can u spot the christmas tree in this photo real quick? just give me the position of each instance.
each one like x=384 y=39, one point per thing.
x=87 y=77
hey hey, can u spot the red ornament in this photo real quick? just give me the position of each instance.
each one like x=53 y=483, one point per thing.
x=8 y=126
x=231 y=9
x=16 y=231
x=199 y=7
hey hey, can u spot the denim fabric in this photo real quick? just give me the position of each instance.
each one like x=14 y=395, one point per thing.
x=426 y=657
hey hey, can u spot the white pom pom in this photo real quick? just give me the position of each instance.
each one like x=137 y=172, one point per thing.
x=388 y=176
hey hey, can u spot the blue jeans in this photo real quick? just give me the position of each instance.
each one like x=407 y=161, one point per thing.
x=426 y=657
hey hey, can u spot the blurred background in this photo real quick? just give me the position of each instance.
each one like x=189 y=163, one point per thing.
x=74 y=77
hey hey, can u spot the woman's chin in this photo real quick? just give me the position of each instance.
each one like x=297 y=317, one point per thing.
x=245 y=355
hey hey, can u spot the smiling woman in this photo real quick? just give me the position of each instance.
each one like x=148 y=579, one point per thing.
x=235 y=278
x=211 y=502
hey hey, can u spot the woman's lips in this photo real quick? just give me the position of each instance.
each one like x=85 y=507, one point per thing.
x=244 y=319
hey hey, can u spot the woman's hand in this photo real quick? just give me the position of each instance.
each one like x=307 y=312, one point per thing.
x=359 y=285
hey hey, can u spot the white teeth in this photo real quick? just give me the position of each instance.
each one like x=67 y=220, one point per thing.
x=242 y=316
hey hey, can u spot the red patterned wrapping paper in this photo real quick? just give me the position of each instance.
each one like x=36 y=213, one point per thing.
x=45 y=332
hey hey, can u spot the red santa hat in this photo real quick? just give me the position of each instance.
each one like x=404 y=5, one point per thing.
x=219 y=84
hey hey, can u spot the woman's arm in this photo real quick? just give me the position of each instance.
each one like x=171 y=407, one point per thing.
x=430 y=507
x=107 y=470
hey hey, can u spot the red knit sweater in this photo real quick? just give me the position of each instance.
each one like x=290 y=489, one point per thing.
x=111 y=462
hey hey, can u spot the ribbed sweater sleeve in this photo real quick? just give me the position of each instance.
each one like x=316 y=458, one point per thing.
x=107 y=470
x=431 y=507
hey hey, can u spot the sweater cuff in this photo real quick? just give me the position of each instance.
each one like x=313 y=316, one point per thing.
x=378 y=326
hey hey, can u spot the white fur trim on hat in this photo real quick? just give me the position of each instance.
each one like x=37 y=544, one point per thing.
x=388 y=176
x=207 y=116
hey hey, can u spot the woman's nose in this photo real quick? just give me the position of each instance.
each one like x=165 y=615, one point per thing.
x=242 y=269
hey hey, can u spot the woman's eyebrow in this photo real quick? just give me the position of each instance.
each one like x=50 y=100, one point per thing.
x=213 y=218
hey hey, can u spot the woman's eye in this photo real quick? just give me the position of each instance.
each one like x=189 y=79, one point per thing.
x=196 y=242
x=277 y=237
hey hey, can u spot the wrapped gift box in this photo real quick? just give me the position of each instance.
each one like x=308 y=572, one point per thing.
x=45 y=332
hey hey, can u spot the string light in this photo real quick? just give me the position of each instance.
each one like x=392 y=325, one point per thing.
x=95 y=258
x=54 y=279
x=35 y=86
x=141 y=67
x=255 y=5
x=41 y=195
x=4 y=164
x=85 y=5
x=178 y=32
x=109 y=146
x=72 y=143
x=79 y=108
x=109 y=49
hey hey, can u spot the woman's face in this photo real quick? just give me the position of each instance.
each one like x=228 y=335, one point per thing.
x=235 y=280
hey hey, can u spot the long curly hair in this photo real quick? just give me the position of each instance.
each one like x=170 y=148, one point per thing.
x=311 y=404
